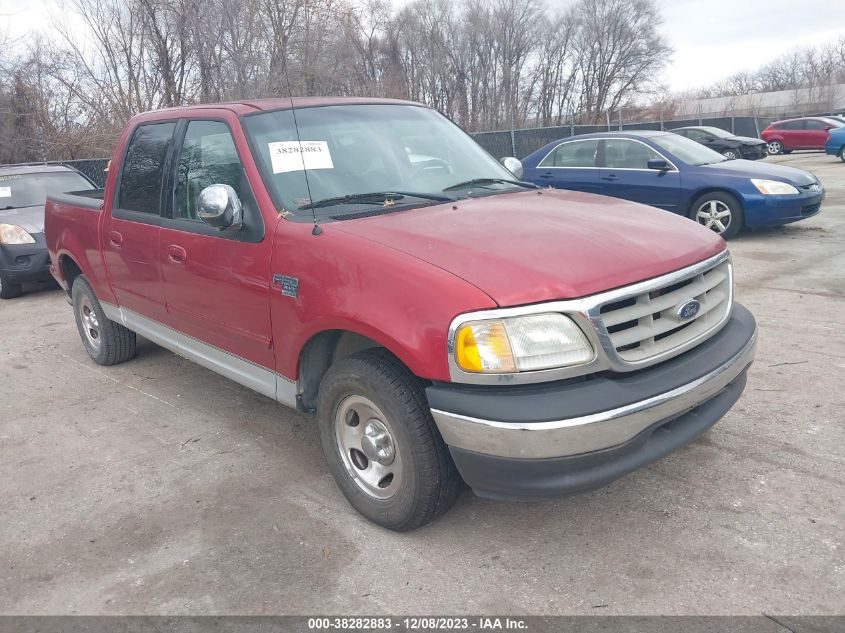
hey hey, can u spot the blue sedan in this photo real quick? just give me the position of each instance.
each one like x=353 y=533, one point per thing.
x=836 y=143
x=671 y=172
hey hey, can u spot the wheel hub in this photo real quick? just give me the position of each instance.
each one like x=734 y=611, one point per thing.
x=377 y=444
x=367 y=447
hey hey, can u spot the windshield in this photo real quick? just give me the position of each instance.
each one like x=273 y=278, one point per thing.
x=31 y=190
x=688 y=151
x=409 y=154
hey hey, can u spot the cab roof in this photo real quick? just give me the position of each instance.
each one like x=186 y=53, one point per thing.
x=249 y=106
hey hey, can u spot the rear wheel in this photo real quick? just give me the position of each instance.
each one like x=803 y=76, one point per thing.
x=381 y=443
x=107 y=342
x=9 y=290
x=842 y=154
x=774 y=147
x=718 y=211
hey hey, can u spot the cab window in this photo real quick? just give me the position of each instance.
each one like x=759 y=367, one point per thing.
x=208 y=157
x=143 y=168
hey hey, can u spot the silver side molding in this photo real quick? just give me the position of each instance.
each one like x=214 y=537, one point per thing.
x=242 y=371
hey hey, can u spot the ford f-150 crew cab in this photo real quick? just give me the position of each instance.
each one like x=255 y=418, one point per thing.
x=367 y=261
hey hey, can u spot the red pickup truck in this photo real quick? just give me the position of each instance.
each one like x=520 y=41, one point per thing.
x=365 y=260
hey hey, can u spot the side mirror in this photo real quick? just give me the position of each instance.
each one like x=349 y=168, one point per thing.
x=828 y=128
x=220 y=207
x=658 y=164
x=513 y=165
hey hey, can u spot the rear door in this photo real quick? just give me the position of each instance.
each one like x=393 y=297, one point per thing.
x=793 y=134
x=216 y=283
x=571 y=165
x=625 y=174
x=816 y=133
x=130 y=231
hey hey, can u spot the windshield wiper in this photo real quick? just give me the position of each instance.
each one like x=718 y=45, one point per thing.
x=375 y=197
x=488 y=181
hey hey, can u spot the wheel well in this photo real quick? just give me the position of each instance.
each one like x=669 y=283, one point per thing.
x=321 y=352
x=70 y=270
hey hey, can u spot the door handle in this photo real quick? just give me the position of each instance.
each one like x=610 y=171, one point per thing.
x=547 y=175
x=115 y=239
x=610 y=177
x=176 y=254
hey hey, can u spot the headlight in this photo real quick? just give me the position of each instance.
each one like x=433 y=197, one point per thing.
x=774 y=187
x=508 y=345
x=12 y=234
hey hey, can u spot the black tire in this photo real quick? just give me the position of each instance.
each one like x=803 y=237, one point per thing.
x=774 y=148
x=720 y=199
x=842 y=154
x=426 y=480
x=732 y=154
x=113 y=343
x=9 y=290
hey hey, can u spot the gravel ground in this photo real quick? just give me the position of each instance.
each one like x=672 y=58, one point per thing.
x=157 y=487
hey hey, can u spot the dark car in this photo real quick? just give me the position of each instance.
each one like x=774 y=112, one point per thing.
x=727 y=144
x=23 y=192
x=806 y=133
x=671 y=172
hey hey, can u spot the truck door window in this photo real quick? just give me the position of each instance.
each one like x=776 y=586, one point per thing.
x=208 y=157
x=143 y=168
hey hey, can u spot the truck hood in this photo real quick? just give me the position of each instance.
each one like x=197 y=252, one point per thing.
x=541 y=245
x=755 y=169
x=30 y=219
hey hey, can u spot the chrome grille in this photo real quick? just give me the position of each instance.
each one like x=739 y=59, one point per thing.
x=645 y=325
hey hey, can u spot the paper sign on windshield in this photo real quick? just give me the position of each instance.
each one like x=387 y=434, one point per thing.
x=288 y=156
x=5 y=192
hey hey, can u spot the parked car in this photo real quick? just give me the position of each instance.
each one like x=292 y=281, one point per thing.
x=671 y=172
x=23 y=191
x=727 y=144
x=440 y=322
x=836 y=143
x=792 y=134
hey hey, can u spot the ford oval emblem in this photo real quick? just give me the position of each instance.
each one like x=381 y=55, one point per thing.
x=688 y=310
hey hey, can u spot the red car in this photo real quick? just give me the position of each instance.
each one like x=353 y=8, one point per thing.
x=807 y=133
x=369 y=263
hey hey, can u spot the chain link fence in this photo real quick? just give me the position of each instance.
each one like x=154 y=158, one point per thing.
x=521 y=143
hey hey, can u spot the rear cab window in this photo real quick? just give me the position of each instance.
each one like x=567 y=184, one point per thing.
x=143 y=172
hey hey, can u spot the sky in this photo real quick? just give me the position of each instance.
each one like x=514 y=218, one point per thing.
x=712 y=39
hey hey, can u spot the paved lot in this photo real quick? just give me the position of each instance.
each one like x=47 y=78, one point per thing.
x=159 y=487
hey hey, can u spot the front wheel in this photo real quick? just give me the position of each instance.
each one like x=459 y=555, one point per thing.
x=381 y=444
x=107 y=342
x=774 y=148
x=732 y=154
x=842 y=154
x=8 y=290
x=718 y=211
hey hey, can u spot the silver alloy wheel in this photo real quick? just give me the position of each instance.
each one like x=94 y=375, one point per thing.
x=90 y=323
x=774 y=147
x=366 y=446
x=715 y=215
x=729 y=153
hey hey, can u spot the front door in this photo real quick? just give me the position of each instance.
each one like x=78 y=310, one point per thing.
x=131 y=228
x=816 y=133
x=625 y=174
x=216 y=282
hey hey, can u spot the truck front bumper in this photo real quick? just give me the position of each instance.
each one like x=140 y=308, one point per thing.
x=537 y=441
